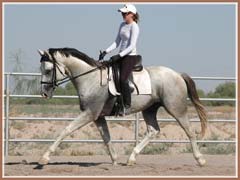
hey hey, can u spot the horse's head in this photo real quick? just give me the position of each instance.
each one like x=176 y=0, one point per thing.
x=51 y=72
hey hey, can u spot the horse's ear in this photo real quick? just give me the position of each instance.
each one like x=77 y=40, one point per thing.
x=40 y=52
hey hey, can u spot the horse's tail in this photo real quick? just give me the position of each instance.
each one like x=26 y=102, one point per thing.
x=193 y=95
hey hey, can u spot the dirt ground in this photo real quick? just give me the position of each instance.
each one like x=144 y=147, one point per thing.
x=90 y=159
x=99 y=165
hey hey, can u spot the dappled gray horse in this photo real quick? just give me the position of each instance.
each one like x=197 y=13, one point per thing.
x=169 y=89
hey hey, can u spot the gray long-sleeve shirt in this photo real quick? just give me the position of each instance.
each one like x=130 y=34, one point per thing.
x=127 y=36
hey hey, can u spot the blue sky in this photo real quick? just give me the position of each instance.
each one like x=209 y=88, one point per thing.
x=191 y=38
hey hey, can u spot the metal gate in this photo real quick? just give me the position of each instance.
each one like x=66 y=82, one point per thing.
x=137 y=119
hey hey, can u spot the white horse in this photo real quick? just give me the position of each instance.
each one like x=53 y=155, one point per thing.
x=169 y=89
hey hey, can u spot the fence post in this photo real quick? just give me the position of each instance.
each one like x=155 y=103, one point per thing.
x=7 y=115
x=136 y=128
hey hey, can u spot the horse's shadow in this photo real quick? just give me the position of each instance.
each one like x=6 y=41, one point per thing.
x=38 y=166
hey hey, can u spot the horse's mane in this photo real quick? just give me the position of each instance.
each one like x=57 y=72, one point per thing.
x=75 y=53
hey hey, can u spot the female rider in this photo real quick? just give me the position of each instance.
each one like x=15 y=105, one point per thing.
x=127 y=57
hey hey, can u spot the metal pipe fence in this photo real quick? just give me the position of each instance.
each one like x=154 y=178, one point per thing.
x=136 y=119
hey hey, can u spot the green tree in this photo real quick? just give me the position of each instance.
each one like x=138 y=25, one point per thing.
x=201 y=93
x=224 y=90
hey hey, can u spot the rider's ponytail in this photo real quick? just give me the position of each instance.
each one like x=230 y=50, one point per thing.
x=136 y=17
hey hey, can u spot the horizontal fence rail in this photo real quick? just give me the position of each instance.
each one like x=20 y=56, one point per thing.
x=136 y=119
x=112 y=119
x=76 y=97
x=193 y=77
x=119 y=141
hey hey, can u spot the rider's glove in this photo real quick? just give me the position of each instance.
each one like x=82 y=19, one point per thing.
x=102 y=54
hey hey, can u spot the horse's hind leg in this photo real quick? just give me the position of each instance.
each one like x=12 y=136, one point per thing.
x=103 y=129
x=83 y=119
x=153 y=129
x=181 y=117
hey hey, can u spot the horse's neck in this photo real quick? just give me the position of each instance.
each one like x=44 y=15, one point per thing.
x=76 y=67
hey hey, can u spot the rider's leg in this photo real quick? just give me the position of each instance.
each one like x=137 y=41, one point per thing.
x=126 y=66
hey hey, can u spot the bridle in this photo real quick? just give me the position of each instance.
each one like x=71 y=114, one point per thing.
x=54 y=82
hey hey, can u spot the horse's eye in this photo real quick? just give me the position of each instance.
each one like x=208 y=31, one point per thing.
x=47 y=72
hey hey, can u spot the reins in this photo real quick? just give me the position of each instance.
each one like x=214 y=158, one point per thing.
x=56 y=82
x=64 y=80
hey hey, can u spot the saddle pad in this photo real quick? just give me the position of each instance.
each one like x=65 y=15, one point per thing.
x=141 y=79
x=143 y=82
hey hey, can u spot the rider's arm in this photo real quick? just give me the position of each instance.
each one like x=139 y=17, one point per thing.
x=116 y=43
x=133 y=41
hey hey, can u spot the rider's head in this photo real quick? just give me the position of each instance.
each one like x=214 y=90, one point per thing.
x=129 y=13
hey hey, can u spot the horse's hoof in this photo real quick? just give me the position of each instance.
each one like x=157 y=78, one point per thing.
x=201 y=162
x=131 y=163
x=43 y=161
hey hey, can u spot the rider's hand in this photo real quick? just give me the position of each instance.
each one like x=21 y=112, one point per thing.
x=115 y=58
x=102 y=54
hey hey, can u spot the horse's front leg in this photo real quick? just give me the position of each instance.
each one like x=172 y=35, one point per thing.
x=84 y=118
x=104 y=131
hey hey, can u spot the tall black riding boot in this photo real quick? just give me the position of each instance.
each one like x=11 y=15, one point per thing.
x=126 y=93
